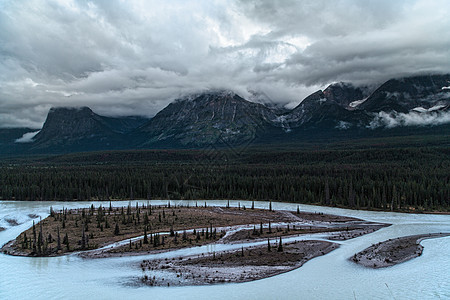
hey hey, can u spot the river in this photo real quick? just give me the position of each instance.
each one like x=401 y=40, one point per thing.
x=331 y=276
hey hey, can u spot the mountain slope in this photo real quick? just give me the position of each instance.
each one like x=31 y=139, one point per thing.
x=208 y=118
x=328 y=109
x=403 y=95
x=344 y=93
x=80 y=129
x=216 y=118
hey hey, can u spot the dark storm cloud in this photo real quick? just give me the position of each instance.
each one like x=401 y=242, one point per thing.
x=134 y=57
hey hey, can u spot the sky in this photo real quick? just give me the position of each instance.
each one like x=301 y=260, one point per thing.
x=135 y=57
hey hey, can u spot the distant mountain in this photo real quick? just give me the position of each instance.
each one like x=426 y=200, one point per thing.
x=344 y=93
x=328 y=109
x=405 y=94
x=80 y=129
x=208 y=118
x=399 y=106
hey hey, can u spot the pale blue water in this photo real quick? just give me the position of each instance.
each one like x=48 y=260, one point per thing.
x=328 y=277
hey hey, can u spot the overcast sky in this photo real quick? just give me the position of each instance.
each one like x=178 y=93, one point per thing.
x=134 y=57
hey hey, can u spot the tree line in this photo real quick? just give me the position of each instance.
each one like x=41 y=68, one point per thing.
x=388 y=179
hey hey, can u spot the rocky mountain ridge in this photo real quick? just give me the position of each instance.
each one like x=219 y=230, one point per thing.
x=224 y=118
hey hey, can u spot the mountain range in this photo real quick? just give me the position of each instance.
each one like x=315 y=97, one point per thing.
x=219 y=118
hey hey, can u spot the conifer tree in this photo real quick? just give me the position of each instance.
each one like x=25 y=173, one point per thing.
x=58 y=247
x=117 y=229
x=280 y=246
x=145 y=235
x=25 y=241
x=83 y=239
x=34 y=233
x=66 y=241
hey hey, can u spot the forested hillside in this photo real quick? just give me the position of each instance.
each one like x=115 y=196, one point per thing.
x=388 y=178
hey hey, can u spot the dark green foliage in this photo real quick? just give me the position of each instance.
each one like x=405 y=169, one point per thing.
x=145 y=235
x=58 y=247
x=117 y=229
x=280 y=246
x=25 y=241
x=66 y=242
x=358 y=177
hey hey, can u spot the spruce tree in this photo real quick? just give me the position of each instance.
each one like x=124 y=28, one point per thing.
x=58 y=240
x=280 y=246
x=25 y=241
x=66 y=241
x=117 y=229
x=83 y=240
x=145 y=235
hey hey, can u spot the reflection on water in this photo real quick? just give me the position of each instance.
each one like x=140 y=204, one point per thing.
x=329 y=276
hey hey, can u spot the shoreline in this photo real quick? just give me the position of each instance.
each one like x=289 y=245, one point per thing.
x=393 y=251
x=418 y=212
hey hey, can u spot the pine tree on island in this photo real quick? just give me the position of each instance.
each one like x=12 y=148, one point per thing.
x=280 y=246
x=145 y=235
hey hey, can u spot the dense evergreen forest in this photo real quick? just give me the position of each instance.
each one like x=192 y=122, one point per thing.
x=387 y=178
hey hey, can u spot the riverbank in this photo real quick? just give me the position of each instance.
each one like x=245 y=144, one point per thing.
x=393 y=251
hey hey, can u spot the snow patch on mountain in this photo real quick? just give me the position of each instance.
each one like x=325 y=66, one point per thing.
x=354 y=104
x=422 y=110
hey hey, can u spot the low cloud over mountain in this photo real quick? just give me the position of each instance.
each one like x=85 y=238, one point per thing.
x=134 y=57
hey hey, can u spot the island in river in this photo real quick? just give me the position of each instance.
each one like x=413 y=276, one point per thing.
x=393 y=251
x=96 y=232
